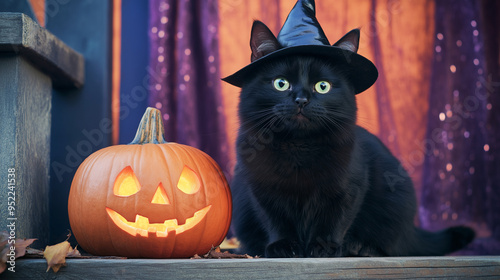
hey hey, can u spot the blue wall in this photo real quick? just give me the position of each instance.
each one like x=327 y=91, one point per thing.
x=17 y=6
x=81 y=119
x=134 y=62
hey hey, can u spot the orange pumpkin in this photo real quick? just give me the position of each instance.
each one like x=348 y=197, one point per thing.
x=150 y=198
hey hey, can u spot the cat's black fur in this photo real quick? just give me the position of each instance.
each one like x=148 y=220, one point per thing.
x=309 y=182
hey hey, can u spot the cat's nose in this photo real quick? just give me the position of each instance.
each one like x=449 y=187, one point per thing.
x=301 y=101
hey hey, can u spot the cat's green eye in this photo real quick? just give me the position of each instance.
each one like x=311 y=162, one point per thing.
x=322 y=87
x=281 y=84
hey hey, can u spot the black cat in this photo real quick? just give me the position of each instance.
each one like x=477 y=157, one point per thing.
x=309 y=182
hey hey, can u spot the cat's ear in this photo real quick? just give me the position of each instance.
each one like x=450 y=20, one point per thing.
x=262 y=41
x=350 y=41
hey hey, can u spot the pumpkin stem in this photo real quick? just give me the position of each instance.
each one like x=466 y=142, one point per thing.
x=150 y=129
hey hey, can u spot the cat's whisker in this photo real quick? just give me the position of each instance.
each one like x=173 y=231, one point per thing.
x=256 y=120
x=258 y=115
x=333 y=126
x=366 y=122
x=258 y=135
x=326 y=123
x=338 y=123
x=340 y=116
x=265 y=125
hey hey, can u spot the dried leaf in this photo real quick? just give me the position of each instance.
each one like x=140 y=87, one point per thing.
x=226 y=255
x=21 y=246
x=196 y=256
x=56 y=255
x=5 y=248
x=231 y=243
x=73 y=253
x=215 y=253
x=33 y=252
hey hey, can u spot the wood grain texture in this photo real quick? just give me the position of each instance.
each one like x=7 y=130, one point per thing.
x=25 y=114
x=19 y=34
x=341 y=268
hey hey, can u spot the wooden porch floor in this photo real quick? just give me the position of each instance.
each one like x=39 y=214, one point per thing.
x=483 y=267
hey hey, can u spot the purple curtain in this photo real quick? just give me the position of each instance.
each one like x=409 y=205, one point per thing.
x=461 y=177
x=184 y=74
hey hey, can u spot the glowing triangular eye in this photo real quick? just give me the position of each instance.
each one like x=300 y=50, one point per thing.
x=160 y=196
x=189 y=182
x=126 y=183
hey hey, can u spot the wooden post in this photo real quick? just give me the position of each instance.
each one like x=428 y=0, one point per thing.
x=32 y=61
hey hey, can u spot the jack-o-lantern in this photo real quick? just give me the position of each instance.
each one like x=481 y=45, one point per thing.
x=150 y=198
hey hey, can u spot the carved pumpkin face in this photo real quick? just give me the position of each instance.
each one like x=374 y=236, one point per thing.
x=126 y=185
x=149 y=200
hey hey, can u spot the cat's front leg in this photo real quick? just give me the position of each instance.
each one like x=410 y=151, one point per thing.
x=284 y=248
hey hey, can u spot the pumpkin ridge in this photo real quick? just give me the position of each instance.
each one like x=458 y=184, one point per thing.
x=168 y=152
x=227 y=189
x=110 y=228
x=89 y=165
x=103 y=154
x=165 y=156
x=188 y=153
x=136 y=156
x=176 y=153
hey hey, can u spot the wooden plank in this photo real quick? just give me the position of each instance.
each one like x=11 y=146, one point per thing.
x=341 y=268
x=25 y=114
x=21 y=35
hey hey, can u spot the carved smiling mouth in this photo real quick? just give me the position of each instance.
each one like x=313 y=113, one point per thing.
x=142 y=227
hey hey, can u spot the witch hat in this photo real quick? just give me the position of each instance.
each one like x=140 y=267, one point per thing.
x=302 y=34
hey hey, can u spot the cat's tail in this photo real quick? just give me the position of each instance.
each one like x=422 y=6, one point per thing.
x=442 y=242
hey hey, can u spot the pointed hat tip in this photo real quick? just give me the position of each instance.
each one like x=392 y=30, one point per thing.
x=309 y=4
x=301 y=26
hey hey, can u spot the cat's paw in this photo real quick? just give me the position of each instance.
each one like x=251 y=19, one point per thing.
x=357 y=249
x=369 y=251
x=284 y=249
x=322 y=249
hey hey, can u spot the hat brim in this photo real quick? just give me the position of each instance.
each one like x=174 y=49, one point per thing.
x=359 y=70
